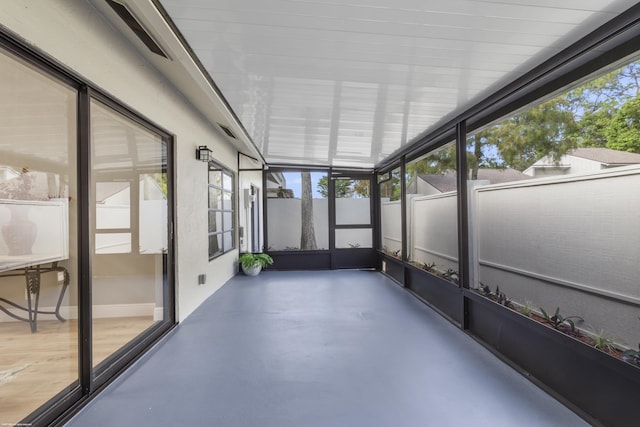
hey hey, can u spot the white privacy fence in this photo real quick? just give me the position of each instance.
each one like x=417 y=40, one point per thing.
x=570 y=242
x=285 y=222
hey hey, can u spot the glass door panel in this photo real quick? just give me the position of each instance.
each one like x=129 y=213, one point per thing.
x=129 y=196
x=353 y=217
x=38 y=250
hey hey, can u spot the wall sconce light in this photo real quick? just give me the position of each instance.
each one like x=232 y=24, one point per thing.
x=203 y=153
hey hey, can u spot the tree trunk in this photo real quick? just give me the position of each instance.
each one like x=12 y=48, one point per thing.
x=308 y=235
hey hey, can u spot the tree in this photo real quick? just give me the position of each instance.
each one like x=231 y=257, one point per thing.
x=308 y=235
x=343 y=187
x=623 y=132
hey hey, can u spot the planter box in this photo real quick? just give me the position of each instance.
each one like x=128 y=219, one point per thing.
x=392 y=267
x=300 y=260
x=603 y=387
x=443 y=295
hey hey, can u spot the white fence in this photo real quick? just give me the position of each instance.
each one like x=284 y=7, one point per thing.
x=569 y=242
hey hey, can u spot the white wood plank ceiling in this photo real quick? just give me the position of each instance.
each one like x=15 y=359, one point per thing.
x=347 y=83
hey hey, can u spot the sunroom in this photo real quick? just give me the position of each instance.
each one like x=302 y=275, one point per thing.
x=479 y=157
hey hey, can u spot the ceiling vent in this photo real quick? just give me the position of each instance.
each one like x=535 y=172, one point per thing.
x=125 y=14
x=227 y=131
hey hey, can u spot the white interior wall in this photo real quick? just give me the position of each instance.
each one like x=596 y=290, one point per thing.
x=74 y=34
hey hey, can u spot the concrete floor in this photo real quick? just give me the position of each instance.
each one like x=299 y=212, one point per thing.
x=331 y=348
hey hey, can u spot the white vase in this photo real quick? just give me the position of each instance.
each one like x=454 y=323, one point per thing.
x=252 y=271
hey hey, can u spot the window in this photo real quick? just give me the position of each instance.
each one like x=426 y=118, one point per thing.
x=298 y=210
x=221 y=211
x=131 y=231
x=38 y=200
x=432 y=212
x=554 y=210
x=391 y=213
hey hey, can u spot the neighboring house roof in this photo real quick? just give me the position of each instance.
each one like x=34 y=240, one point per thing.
x=606 y=156
x=447 y=182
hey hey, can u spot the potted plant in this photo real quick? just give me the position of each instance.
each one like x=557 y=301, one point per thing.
x=253 y=263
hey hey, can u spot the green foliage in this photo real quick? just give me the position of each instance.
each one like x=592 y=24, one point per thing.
x=249 y=260
x=344 y=188
x=428 y=266
x=526 y=308
x=161 y=180
x=623 y=132
x=632 y=356
x=604 y=112
x=603 y=341
x=557 y=321
x=497 y=296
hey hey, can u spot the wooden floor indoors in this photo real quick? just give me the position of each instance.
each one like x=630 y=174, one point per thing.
x=36 y=366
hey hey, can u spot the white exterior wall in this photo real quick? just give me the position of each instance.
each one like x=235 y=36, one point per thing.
x=74 y=34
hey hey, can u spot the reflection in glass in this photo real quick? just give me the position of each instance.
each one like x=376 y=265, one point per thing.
x=432 y=212
x=298 y=210
x=38 y=202
x=128 y=265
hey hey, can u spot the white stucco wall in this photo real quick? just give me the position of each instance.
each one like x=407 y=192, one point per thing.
x=75 y=35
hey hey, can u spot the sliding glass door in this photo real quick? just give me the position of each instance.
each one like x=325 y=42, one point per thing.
x=85 y=247
x=129 y=230
x=38 y=243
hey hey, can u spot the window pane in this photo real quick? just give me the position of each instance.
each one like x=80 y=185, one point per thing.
x=126 y=274
x=153 y=213
x=221 y=200
x=215 y=222
x=215 y=245
x=354 y=238
x=555 y=190
x=227 y=181
x=113 y=205
x=298 y=210
x=353 y=205
x=227 y=201
x=391 y=214
x=215 y=177
x=38 y=205
x=228 y=221
x=215 y=198
x=113 y=243
x=432 y=212
x=228 y=241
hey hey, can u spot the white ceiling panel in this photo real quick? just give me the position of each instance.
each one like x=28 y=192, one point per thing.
x=347 y=83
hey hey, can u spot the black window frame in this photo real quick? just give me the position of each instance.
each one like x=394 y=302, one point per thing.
x=213 y=167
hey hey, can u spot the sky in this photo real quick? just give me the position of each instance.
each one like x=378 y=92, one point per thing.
x=294 y=182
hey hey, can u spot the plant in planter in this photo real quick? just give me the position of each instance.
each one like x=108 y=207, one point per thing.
x=253 y=263
x=632 y=356
x=557 y=321
x=603 y=341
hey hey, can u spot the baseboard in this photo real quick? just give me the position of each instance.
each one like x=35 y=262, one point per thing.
x=99 y=312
